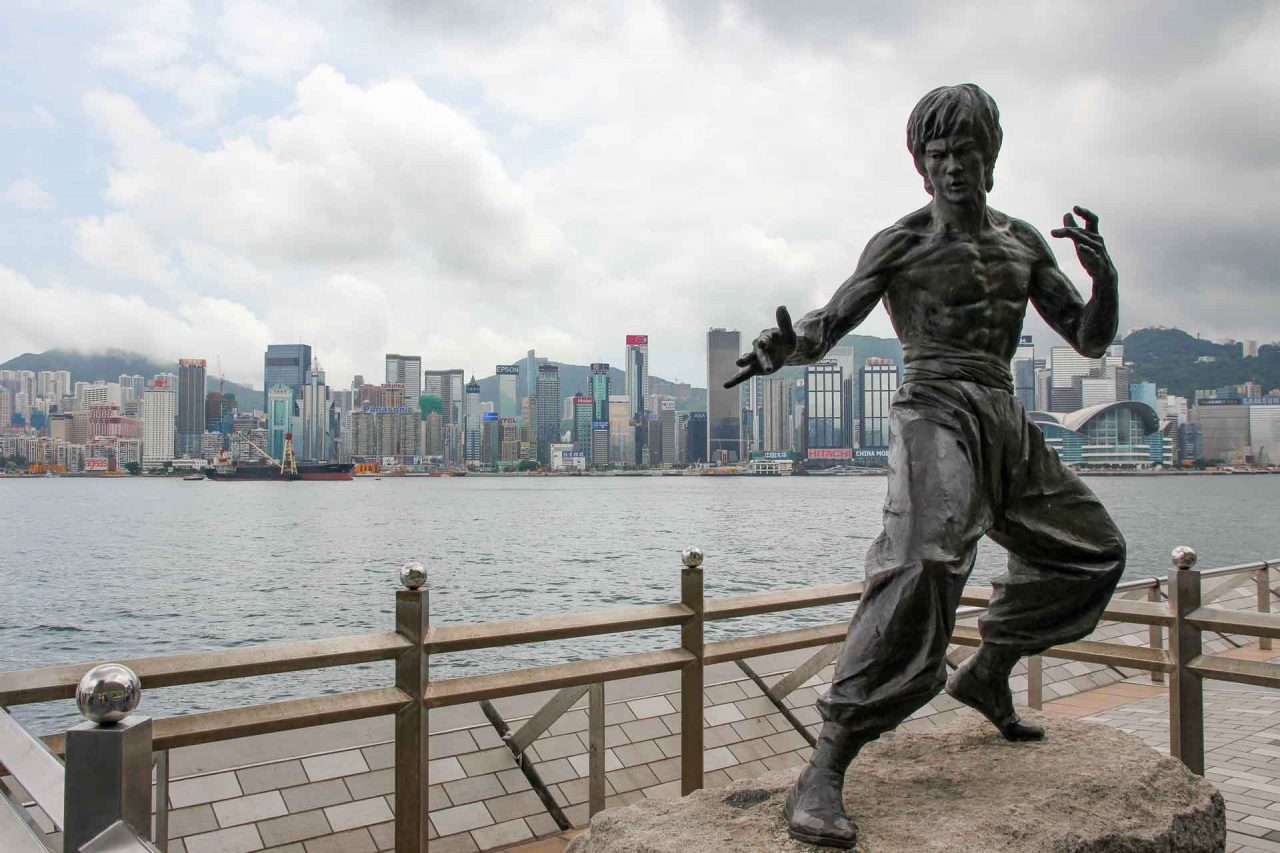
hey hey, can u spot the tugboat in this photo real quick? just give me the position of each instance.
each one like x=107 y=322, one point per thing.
x=287 y=468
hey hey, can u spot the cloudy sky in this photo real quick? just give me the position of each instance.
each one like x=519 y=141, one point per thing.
x=471 y=180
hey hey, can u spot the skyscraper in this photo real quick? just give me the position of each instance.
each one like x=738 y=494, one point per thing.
x=279 y=418
x=508 y=390
x=315 y=443
x=447 y=386
x=1024 y=373
x=724 y=421
x=598 y=451
x=638 y=374
x=825 y=427
x=548 y=408
x=879 y=383
x=405 y=370
x=775 y=417
x=286 y=364
x=667 y=425
x=159 y=416
x=471 y=452
x=582 y=409
x=190 y=428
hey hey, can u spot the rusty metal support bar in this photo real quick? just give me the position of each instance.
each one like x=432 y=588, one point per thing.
x=526 y=766
x=777 y=703
x=596 y=747
x=691 y=674
x=1155 y=634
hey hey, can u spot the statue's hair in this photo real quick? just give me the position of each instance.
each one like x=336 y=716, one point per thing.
x=952 y=110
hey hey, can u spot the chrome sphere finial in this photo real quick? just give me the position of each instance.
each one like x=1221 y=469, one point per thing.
x=692 y=557
x=1183 y=557
x=413 y=575
x=108 y=693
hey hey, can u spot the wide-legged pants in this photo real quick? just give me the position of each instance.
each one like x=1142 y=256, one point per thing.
x=964 y=461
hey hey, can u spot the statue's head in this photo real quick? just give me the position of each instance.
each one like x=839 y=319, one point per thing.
x=950 y=112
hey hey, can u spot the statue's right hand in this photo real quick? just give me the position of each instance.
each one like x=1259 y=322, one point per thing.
x=770 y=352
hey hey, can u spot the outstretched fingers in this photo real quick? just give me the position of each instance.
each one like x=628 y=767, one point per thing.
x=1090 y=218
x=752 y=368
x=784 y=323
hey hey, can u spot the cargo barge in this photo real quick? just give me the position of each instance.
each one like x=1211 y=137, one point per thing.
x=288 y=468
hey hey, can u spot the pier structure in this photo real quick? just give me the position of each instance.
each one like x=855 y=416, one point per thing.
x=521 y=759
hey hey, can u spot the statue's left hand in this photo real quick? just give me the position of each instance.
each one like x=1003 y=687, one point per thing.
x=1090 y=248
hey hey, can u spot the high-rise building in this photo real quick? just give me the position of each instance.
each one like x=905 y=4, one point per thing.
x=879 y=384
x=314 y=441
x=279 y=418
x=1024 y=373
x=638 y=374
x=508 y=390
x=724 y=419
x=131 y=387
x=405 y=370
x=825 y=427
x=191 y=393
x=598 y=450
x=159 y=419
x=548 y=407
x=1066 y=365
x=6 y=408
x=622 y=449
x=1044 y=389
x=448 y=387
x=582 y=412
x=286 y=364
x=471 y=451
x=667 y=426
x=696 y=443
x=775 y=414
x=510 y=448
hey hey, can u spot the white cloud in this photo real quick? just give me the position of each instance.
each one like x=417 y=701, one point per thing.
x=28 y=195
x=267 y=40
x=85 y=320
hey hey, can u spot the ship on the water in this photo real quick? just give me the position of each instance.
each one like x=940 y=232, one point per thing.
x=286 y=468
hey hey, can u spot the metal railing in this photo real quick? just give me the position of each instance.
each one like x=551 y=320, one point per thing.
x=414 y=695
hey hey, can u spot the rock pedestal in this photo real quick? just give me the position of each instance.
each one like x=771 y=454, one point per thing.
x=1086 y=789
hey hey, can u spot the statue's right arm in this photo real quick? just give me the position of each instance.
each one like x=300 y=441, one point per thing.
x=818 y=331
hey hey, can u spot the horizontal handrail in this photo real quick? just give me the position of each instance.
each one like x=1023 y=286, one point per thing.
x=17 y=833
x=35 y=767
x=755 y=603
x=473 y=688
x=1237 y=670
x=1265 y=625
x=21 y=687
x=213 y=726
x=535 y=629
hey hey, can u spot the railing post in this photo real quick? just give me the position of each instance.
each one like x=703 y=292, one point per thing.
x=1035 y=682
x=1186 y=691
x=1155 y=634
x=596 y=748
x=161 y=835
x=1263 y=580
x=412 y=621
x=108 y=768
x=691 y=675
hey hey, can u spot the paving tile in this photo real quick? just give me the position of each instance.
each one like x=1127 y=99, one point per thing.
x=450 y=743
x=461 y=819
x=365 y=785
x=267 y=777
x=718 y=715
x=250 y=809
x=203 y=789
x=474 y=788
x=352 y=841
x=358 y=813
x=384 y=835
x=562 y=746
x=380 y=755
x=488 y=761
x=334 y=764
x=653 y=706
x=192 y=820
x=315 y=795
x=632 y=754
x=514 y=806
x=461 y=843
x=445 y=770
x=237 y=839
x=294 y=827
x=502 y=834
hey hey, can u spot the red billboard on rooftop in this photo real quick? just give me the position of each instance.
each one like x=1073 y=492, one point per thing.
x=637 y=339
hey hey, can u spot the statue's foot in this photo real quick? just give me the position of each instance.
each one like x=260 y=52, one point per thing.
x=989 y=695
x=815 y=810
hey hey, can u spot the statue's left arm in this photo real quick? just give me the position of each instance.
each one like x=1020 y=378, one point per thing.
x=1089 y=327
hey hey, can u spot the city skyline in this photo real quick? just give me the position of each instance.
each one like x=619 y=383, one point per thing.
x=216 y=192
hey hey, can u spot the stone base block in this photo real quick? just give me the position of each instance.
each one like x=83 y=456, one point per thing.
x=1086 y=789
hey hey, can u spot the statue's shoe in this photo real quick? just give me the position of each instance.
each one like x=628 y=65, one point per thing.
x=991 y=698
x=815 y=812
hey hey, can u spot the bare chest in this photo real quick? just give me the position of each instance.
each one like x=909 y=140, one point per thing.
x=964 y=272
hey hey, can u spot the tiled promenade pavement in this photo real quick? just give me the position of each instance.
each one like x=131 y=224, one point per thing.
x=329 y=789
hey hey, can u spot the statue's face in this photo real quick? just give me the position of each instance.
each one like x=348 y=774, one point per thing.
x=956 y=169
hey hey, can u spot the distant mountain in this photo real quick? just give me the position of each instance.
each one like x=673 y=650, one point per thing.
x=1169 y=358
x=107 y=366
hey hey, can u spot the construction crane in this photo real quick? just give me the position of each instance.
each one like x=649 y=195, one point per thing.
x=288 y=464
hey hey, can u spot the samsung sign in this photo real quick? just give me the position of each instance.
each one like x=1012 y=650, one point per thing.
x=389 y=410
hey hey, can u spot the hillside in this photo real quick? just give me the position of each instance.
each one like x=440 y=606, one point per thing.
x=1167 y=357
x=109 y=365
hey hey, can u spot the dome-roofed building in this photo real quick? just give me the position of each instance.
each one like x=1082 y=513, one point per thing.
x=1123 y=434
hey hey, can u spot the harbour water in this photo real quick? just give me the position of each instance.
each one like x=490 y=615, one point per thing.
x=94 y=570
